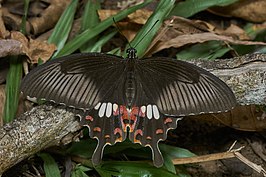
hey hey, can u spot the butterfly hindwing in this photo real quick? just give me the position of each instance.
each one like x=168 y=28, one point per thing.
x=148 y=127
x=105 y=122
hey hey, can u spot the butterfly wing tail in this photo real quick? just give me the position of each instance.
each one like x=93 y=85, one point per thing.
x=107 y=129
x=149 y=131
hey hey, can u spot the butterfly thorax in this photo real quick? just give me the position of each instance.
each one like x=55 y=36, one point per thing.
x=131 y=53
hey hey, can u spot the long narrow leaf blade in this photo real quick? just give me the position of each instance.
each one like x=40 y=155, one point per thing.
x=90 y=19
x=82 y=38
x=151 y=27
x=12 y=88
x=63 y=26
x=14 y=77
x=190 y=7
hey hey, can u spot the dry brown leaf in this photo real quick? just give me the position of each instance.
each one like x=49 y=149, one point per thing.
x=246 y=118
x=49 y=16
x=234 y=30
x=34 y=49
x=251 y=10
x=185 y=39
x=179 y=31
x=40 y=50
x=182 y=25
x=40 y=18
x=139 y=16
x=132 y=24
x=3 y=32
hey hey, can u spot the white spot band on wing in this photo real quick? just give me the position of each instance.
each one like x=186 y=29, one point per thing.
x=149 y=111
x=156 y=113
x=109 y=109
x=102 y=110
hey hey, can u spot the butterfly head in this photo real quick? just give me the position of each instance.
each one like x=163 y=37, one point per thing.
x=131 y=53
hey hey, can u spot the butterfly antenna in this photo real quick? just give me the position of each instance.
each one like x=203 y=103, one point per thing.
x=117 y=26
x=146 y=34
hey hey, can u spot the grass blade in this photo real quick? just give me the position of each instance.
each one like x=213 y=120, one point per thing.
x=90 y=19
x=190 y=7
x=14 y=77
x=12 y=88
x=88 y=34
x=97 y=46
x=63 y=26
x=151 y=26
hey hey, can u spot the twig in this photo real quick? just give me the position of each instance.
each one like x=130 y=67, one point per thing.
x=223 y=155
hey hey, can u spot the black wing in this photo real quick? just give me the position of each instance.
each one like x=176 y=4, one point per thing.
x=80 y=80
x=179 y=88
x=168 y=89
x=91 y=82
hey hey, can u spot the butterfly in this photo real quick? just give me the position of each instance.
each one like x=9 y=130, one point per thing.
x=138 y=98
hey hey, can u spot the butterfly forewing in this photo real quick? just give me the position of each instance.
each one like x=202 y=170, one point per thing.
x=180 y=88
x=78 y=80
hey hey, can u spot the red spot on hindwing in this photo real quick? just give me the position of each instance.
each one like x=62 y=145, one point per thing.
x=133 y=118
x=124 y=118
x=97 y=129
x=168 y=120
x=89 y=118
x=136 y=133
x=118 y=131
x=159 y=131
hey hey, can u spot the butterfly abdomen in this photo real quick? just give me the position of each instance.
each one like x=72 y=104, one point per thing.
x=130 y=88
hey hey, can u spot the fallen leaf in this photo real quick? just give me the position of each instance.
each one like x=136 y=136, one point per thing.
x=49 y=16
x=42 y=15
x=179 y=31
x=139 y=16
x=234 y=31
x=249 y=10
x=245 y=118
x=182 y=40
x=34 y=49
x=3 y=32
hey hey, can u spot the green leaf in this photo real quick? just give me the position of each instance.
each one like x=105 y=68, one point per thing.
x=116 y=51
x=168 y=163
x=63 y=27
x=175 y=152
x=256 y=34
x=24 y=18
x=84 y=148
x=90 y=19
x=97 y=46
x=88 y=34
x=14 y=76
x=12 y=88
x=79 y=171
x=131 y=169
x=208 y=50
x=149 y=30
x=190 y=7
x=50 y=167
